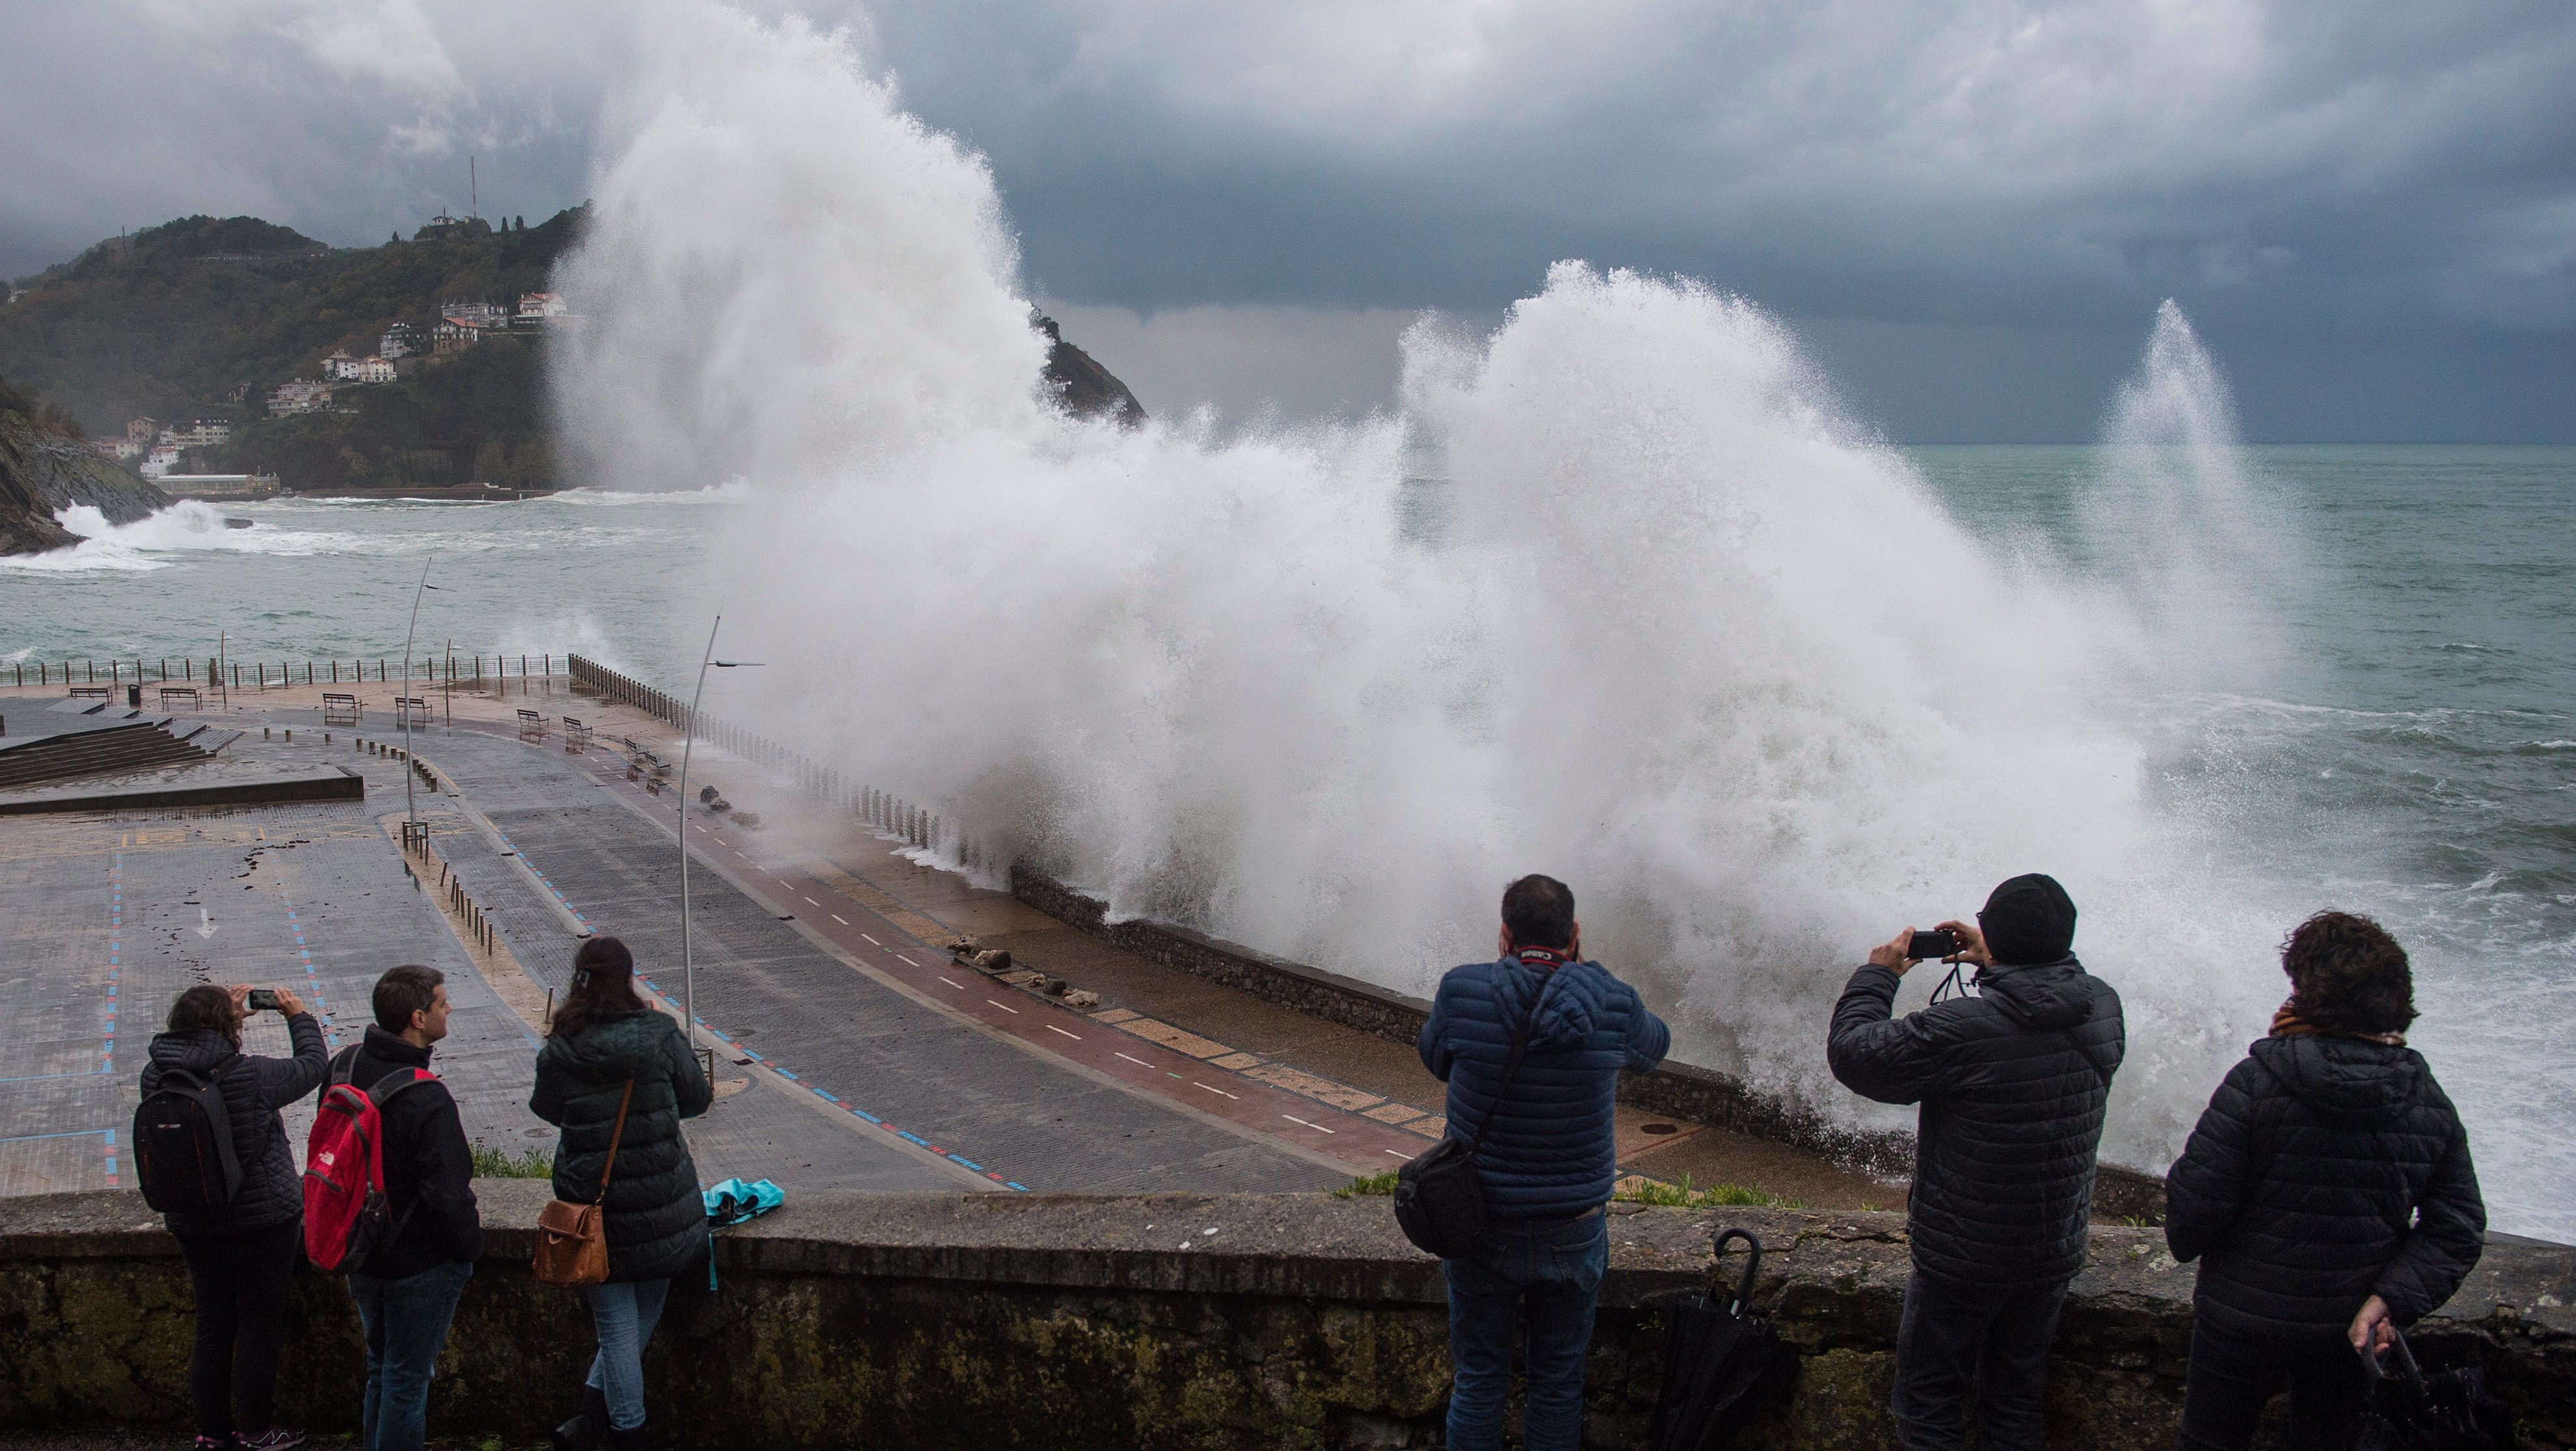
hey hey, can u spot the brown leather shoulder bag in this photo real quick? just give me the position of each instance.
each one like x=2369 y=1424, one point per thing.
x=572 y=1239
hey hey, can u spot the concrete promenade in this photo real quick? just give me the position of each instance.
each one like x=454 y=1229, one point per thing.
x=851 y=1053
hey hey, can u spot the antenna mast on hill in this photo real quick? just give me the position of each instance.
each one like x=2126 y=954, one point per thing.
x=473 y=191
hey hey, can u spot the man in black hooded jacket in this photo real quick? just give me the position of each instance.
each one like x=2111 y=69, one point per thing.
x=407 y=1290
x=2013 y=1081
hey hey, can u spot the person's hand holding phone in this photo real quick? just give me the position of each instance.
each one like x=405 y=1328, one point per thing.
x=287 y=1002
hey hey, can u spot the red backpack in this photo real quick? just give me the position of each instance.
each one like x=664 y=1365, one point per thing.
x=346 y=1216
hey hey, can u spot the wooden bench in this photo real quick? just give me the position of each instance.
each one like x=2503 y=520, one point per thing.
x=93 y=692
x=336 y=709
x=173 y=696
x=406 y=707
x=576 y=734
x=531 y=724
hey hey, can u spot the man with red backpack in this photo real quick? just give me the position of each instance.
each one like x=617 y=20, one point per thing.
x=410 y=1278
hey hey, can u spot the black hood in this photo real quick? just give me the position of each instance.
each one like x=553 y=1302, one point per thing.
x=2348 y=1082
x=194 y=1052
x=2042 y=995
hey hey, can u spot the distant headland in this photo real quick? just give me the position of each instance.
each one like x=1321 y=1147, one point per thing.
x=232 y=356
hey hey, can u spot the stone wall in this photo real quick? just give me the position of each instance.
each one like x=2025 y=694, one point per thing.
x=1075 y=1322
x=1682 y=1090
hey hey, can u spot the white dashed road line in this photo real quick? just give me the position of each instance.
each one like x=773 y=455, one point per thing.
x=1052 y=1028
x=1217 y=1091
x=1139 y=1062
x=1292 y=1118
x=1005 y=1007
x=961 y=987
x=837 y=917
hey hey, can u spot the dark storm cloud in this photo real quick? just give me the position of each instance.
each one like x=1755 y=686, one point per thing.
x=346 y=121
x=1970 y=210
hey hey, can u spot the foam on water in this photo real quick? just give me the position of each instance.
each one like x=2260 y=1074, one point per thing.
x=187 y=527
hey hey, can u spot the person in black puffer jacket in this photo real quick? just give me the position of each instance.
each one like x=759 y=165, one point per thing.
x=2327 y=1193
x=242 y=1258
x=407 y=1291
x=604 y=1038
x=2014 y=1082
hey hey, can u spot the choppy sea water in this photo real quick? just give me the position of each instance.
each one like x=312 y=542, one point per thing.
x=2412 y=752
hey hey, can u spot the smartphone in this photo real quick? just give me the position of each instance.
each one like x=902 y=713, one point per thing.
x=264 y=999
x=1927 y=945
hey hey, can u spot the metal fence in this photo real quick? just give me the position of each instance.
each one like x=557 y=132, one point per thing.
x=534 y=671
x=838 y=789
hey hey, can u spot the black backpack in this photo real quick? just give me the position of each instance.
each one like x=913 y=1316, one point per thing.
x=1439 y=1197
x=183 y=1142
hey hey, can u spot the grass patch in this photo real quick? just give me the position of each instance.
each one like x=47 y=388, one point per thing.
x=491 y=1163
x=1367 y=1184
x=1684 y=1196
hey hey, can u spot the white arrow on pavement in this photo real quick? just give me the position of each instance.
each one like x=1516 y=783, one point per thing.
x=206 y=924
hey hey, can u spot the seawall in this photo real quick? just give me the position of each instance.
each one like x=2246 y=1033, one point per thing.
x=1680 y=1090
x=1123 y=1322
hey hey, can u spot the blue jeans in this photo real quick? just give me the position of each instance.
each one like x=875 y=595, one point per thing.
x=406 y=1324
x=625 y=1315
x=1551 y=1271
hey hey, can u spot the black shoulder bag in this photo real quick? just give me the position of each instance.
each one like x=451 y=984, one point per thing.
x=1439 y=1198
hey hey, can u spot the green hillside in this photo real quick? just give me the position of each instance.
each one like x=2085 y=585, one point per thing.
x=201 y=317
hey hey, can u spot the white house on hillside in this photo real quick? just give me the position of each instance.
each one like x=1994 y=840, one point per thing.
x=301 y=396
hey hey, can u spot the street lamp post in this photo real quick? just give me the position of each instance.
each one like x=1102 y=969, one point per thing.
x=411 y=809
x=688 y=744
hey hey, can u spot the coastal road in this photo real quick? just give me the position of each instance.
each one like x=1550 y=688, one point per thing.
x=820 y=991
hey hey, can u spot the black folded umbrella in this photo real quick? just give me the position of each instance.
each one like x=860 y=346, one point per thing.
x=2451 y=1410
x=1726 y=1362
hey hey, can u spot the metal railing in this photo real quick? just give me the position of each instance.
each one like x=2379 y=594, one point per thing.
x=882 y=809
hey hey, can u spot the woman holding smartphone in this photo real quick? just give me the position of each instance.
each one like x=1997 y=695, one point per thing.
x=242 y=1252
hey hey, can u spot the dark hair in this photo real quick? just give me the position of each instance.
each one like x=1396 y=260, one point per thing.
x=603 y=986
x=403 y=991
x=1539 y=912
x=206 y=1008
x=2347 y=975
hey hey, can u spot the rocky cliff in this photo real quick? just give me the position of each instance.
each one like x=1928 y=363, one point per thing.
x=46 y=468
x=1086 y=389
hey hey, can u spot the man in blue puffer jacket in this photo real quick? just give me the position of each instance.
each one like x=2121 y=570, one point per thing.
x=1544 y=1153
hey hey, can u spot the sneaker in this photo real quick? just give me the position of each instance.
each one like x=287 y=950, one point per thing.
x=276 y=1438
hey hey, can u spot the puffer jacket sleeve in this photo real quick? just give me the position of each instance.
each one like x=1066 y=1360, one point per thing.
x=2449 y=1233
x=1890 y=1060
x=2207 y=1187
x=282 y=1081
x=546 y=1100
x=689 y=1086
x=1438 y=1053
x=1648 y=1037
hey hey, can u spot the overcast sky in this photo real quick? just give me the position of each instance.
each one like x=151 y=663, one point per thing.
x=1969 y=210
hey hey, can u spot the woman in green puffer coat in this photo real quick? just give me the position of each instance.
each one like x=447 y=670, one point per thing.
x=603 y=1039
